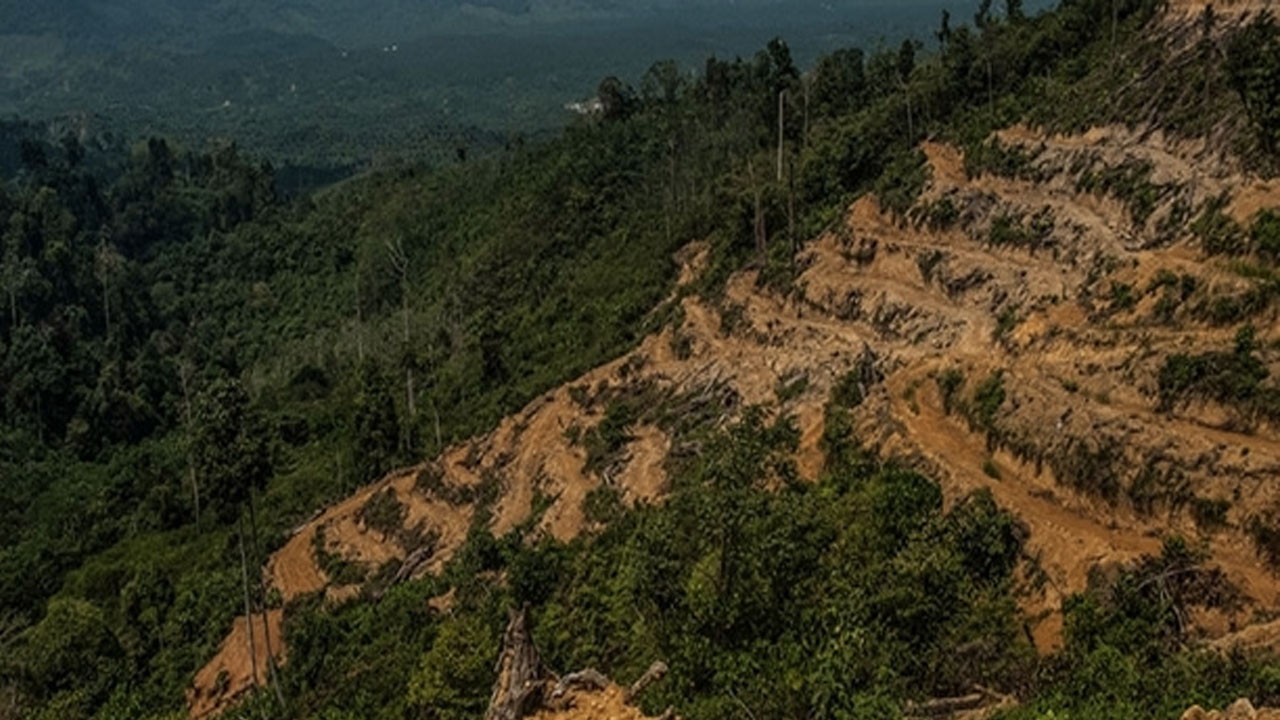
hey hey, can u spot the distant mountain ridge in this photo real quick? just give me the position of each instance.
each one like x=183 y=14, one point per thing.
x=349 y=22
x=194 y=23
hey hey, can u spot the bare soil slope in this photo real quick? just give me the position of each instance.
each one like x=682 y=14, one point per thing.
x=1021 y=281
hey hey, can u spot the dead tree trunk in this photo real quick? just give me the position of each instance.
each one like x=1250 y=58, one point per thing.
x=248 y=607
x=184 y=377
x=991 y=90
x=359 y=321
x=761 y=236
x=656 y=672
x=262 y=605
x=944 y=706
x=782 y=95
x=791 y=215
x=804 y=134
x=400 y=262
x=520 y=672
x=911 y=130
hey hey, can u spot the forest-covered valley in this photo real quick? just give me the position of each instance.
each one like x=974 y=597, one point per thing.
x=927 y=372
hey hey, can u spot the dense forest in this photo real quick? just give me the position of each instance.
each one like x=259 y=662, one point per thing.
x=192 y=362
x=337 y=86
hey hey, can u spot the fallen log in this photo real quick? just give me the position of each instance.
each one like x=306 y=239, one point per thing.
x=944 y=706
x=589 y=679
x=656 y=672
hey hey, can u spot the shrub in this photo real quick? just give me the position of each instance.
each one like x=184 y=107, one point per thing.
x=603 y=505
x=988 y=396
x=1253 y=64
x=1210 y=514
x=384 y=513
x=1218 y=234
x=1265 y=235
x=950 y=382
x=454 y=677
x=990 y=470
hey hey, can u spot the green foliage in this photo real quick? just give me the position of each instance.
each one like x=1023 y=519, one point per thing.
x=1252 y=65
x=996 y=158
x=728 y=577
x=383 y=513
x=1123 y=656
x=1006 y=321
x=603 y=505
x=376 y=429
x=1234 y=378
x=1265 y=235
x=72 y=652
x=182 y=317
x=337 y=568
x=1210 y=514
x=990 y=470
x=1130 y=183
x=610 y=436
x=229 y=446
x=901 y=182
x=790 y=388
x=850 y=388
x=1218 y=234
x=1032 y=234
x=1122 y=298
x=453 y=680
x=950 y=383
x=988 y=397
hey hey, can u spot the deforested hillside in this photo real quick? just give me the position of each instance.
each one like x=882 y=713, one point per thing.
x=929 y=381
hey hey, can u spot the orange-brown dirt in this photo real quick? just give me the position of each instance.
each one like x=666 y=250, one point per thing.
x=233 y=668
x=1077 y=372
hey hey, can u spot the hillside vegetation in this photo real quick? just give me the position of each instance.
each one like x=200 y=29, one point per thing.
x=915 y=375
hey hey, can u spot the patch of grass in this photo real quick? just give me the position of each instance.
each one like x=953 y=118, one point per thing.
x=338 y=569
x=603 y=505
x=1233 y=378
x=1122 y=297
x=997 y=158
x=610 y=435
x=1265 y=235
x=1210 y=514
x=950 y=383
x=1031 y=233
x=940 y=214
x=990 y=470
x=928 y=263
x=1090 y=467
x=733 y=317
x=681 y=345
x=988 y=397
x=1218 y=234
x=1130 y=183
x=1006 y=321
x=383 y=512
x=1153 y=486
x=1265 y=533
x=791 y=387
